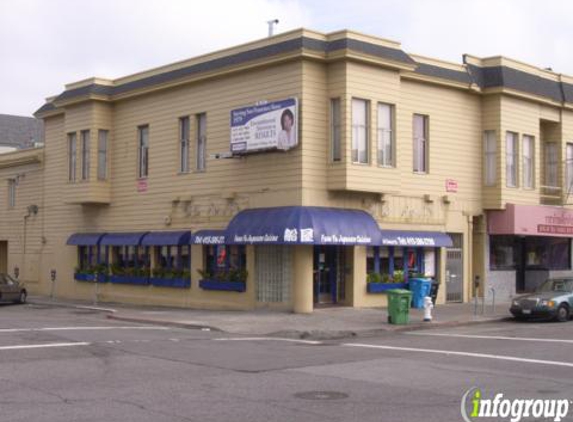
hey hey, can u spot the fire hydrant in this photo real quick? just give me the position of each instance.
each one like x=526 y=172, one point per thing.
x=428 y=306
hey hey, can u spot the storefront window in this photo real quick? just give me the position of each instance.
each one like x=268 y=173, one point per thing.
x=421 y=262
x=224 y=262
x=547 y=253
x=503 y=253
x=87 y=257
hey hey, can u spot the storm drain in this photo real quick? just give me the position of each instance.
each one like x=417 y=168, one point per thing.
x=321 y=395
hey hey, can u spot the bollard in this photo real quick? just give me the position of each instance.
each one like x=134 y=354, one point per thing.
x=492 y=300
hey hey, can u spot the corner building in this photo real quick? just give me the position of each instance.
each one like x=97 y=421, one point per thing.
x=190 y=185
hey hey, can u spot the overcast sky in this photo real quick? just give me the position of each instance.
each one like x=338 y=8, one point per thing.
x=47 y=44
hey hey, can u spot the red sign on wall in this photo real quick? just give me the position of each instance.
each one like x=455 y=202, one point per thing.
x=451 y=185
x=142 y=185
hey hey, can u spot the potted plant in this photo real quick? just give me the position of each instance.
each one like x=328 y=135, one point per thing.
x=168 y=277
x=381 y=283
x=233 y=280
x=129 y=275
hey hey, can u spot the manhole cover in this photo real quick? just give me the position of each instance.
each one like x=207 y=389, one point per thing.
x=321 y=395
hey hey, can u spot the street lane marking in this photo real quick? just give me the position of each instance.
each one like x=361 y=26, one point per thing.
x=544 y=340
x=23 y=330
x=292 y=340
x=41 y=346
x=465 y=354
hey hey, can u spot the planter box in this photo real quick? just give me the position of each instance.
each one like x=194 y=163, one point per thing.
x=184 y=283
x=84 y=277
x=124 y=279
x=91 y=278
x=384 y=287
x=228 y=286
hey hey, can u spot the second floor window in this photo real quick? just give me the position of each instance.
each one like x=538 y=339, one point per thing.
x=335 y=129
x=490 y=150
x=11 y=193
x=528 y=161
x=102 y=155
x=184 y=144
x=72 y=156
x=511 y=160
x=420 y=143
x=359 y=131
x=385 y=135
x=201 y=141
x=85 y=140
x=143 y=152
x=551 y=161
x=569 y=168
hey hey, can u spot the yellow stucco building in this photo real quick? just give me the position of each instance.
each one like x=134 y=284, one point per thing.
x=294 y=172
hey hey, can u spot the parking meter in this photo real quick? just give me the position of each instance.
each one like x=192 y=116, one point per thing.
x=16 y=272
x=53 y=278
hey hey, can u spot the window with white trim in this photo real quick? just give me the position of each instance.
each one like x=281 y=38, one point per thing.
x=360 y=131
x=511 y=158
x=143 y=152
x=72 y=156
x=102 y=155
x=421 y=133
x=528 y=161
x=490 y=155
x=85 y=143
x=385 y=135
x=201 y=141
x=335 y=130
x=12 y=193
x=551 y=163
x=569 y=168
x=184 y=127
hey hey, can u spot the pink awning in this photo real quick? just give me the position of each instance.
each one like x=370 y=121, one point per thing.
x=531 y=220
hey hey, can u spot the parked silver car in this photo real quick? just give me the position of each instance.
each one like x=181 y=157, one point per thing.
x=552 y=299
x=12 y=290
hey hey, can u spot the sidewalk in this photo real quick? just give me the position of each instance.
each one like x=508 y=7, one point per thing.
x=323 y=323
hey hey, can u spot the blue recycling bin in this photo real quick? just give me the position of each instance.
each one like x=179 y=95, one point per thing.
x=420 y=288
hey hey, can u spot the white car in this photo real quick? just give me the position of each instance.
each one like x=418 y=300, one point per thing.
x=11 y=290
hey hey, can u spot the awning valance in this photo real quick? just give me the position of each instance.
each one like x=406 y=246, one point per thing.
x=209 y=237
x=415 y=239
x=85 y=239
x=122 y=239
x=173 y=238
x=303 y=225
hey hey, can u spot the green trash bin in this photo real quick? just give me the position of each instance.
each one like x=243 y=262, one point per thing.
x=399 y=306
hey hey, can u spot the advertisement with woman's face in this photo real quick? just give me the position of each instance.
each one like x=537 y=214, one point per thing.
x=269 y=126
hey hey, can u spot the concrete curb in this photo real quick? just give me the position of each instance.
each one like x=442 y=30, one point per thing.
x=70 y=305
x=311 y=334
x=162 y=322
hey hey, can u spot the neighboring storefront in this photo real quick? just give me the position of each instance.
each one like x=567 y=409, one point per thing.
x=527 y=244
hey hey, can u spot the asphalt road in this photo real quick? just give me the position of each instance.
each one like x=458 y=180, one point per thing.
x=64 y=364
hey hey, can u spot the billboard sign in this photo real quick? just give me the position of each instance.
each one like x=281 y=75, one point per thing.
x=269 y=126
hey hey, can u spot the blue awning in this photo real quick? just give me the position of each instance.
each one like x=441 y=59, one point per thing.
x=415 y=239
x=166 y=238
x=209 y=237
x=303 y=225
x=122 y=239
x=85 y=239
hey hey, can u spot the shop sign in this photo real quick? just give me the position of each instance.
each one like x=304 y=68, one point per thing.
x=270 y=126
x=409 y=241
x=531 y=220
x=209 y=240
x=451 y=185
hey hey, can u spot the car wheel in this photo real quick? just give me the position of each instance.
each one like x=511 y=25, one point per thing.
x=562 y=313
x=23 y=296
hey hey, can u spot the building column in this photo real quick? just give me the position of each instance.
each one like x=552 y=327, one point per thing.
x=303 y=279
x=358 y=280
